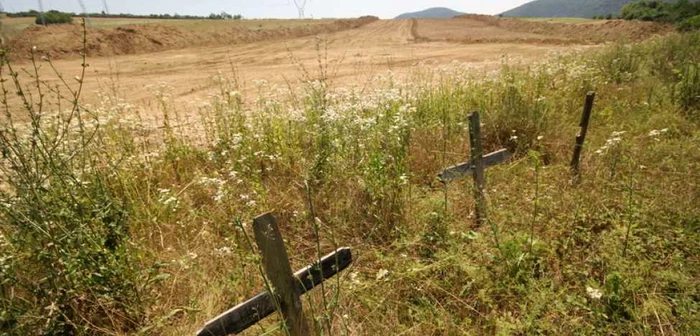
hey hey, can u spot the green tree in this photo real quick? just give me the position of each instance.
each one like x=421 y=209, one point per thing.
x=53 y=17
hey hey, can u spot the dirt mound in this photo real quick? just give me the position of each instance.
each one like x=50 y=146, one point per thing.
x=587 y=32
x=65 y=41
x=475 y=31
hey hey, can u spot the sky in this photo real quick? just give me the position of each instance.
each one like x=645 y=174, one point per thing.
x=268 y=8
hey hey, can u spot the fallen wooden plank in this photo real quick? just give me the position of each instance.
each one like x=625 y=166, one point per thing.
x=466 y=169
x=248 y=313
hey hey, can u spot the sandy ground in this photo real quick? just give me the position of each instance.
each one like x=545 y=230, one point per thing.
x=353 y=57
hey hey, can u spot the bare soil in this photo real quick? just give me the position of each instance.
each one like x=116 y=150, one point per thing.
x=131 y=59
x=66 y=41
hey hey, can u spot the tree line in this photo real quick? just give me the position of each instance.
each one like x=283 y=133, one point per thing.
x=685 y=14
x=57 y=17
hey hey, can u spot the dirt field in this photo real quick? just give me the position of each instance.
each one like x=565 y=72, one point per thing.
x=12 y=27
x=355 y=51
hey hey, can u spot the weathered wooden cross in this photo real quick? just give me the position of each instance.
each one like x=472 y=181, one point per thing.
x=475 y=166
x=287 y=287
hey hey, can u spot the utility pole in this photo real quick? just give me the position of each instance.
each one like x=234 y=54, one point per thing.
x=41 y=12
x=301 y=7
x=87 y=17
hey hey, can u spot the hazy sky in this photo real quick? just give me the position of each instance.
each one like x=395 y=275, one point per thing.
x=268 y=8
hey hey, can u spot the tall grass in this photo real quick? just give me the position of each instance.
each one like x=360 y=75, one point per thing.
x=109 y=227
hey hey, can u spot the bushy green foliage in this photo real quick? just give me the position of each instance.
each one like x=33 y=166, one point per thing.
x=54 y=17
x=66 y=262
x=690 y=24
x=680 y=13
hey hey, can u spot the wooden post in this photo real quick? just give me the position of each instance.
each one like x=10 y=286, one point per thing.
x=581 y=138
x=477 y=153
x=279 y=272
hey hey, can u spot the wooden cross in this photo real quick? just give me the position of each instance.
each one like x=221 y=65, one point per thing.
x=475 y=167
x=466 y=169
x=581 y=138
x=287 y=287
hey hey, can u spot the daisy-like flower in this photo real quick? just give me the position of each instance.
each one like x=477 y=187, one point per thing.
x=593 y=293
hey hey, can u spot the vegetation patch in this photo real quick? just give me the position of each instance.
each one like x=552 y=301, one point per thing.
x=110 y=225
x=53 y=17
x=684 y=13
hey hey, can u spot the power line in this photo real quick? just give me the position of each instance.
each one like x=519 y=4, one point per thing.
x=106 y=8
x=84 y=9
x=41 y=12
x=301 y=7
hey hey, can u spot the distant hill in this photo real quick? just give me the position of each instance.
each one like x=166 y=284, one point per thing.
x=431 y=13
x=568 y=8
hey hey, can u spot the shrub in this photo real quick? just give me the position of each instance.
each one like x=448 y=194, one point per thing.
x=53 y=17
x=690 y=24
x=688 y=89
x=66 y=263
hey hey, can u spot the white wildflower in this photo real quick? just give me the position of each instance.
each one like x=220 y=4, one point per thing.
x=171 y=199
x=224 y=250
x=354 y=278
x=220 y=195
x=593 y=293
x=382 y=273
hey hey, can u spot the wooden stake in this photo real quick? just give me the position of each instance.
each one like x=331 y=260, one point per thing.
x=477 y=153
x=581 y=138
x=279 y=272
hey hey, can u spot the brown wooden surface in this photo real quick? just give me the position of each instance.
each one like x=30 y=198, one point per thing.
x=276 y=264
x=463 y=170
x=581 y=138
x=246 y=314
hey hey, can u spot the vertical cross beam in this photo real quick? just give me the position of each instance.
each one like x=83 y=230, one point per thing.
x=477 y=153
x=581 y=138
x=276 y=264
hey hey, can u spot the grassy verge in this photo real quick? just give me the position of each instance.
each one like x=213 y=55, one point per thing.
x=110 y=226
